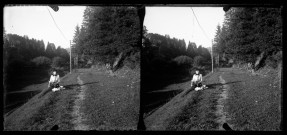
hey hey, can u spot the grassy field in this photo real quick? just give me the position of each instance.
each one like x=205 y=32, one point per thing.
x=199 y=114
x=27 y=88
x=42 y=113
x=161 y=117
x=161 y=88
x=111 y=102
x=252 y=104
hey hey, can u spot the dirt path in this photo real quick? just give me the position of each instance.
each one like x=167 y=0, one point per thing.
x=221 y=102
x=77 y=113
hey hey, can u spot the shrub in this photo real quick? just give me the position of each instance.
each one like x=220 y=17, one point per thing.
x=42 y=61
x=59 y=65
x=274 y=60
x=198 y=61
x=132 y=61
x=183 y=60
x=58 y=62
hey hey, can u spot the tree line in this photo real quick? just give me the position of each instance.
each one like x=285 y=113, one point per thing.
x=248 y=33
x=107 y=32
x=23 y=56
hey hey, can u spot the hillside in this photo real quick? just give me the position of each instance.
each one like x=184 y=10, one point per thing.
x=244 y=101
x=93 y=99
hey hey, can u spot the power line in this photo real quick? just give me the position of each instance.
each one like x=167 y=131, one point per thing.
x=207 y=38
x=56 y=24
x=199 y=24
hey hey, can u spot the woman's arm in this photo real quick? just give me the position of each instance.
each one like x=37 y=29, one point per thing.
x=50 y=81
x=192 y=80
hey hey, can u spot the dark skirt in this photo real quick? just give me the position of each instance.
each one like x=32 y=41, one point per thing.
x=54 y=85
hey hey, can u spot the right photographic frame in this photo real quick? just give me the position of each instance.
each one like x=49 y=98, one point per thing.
x=212 y=67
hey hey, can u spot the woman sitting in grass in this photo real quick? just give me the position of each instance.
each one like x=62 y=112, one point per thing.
x=53 y=83
x=196 y=79
x=54 y=80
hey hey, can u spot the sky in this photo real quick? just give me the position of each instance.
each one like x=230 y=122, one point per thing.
x=36 y=22
x=179 y=22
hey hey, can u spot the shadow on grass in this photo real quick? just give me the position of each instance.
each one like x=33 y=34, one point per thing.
x=210 y=86
x=157 y=99
x=188 y=91
x=71 y=86
x=67 y=87
x=14 y=100
x=214 y=85
x=153 y=88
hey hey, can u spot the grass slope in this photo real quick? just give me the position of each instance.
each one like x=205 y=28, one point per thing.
x=53 y=108
x=161 y=117
x=112 y=101
x=252 y=104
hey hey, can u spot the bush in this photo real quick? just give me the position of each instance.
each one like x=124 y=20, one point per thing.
x=58 y=62
x=42 y=61
x=198 y=61
x=274 y=60
x=59 y=65
x=132 y=61
x=183 y=60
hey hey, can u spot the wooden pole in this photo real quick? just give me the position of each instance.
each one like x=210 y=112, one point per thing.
x=70 y=57
x=211 y=56
x=281 y=71
x=218 y=59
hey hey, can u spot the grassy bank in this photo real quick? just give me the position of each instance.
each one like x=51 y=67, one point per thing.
x=112 y=100
x=24 y=87
x=198 y=113
x=161 y=89
x=252 y=104
x=162 y=117
x=53 y=108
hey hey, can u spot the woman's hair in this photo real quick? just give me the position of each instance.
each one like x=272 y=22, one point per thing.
x=53 y=72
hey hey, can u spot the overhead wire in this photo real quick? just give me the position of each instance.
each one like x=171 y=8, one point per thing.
x=199 y=24
x=57 y=25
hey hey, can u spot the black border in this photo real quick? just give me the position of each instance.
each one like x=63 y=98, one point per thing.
x=198 y=3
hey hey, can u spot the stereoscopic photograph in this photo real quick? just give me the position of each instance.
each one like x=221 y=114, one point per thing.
x=71 y=68
x=212 y=68
x=186 y=67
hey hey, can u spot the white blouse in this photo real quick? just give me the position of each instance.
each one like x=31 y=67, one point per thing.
x=54 y=78
x=196 y=78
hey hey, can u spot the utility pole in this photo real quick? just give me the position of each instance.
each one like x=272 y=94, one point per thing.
x=218 y=58
x=211 y=56
x=70 y=57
